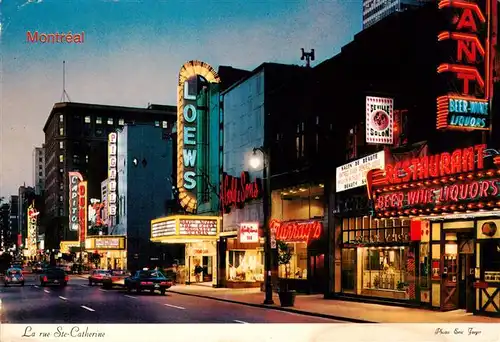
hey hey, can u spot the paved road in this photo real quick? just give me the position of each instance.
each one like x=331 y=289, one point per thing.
x=80 y=303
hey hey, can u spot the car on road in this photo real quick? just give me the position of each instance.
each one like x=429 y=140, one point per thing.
x=13 y=276
x=97 y=276
x=53 y=276
x=150 y=280
x=115 y=278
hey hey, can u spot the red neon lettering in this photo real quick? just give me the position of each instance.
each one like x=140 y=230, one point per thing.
x=483 y=190
x=445 y=163
x=469 y=48
x=474 y=189
x=236 y=191
x=467 y=21
x=493 y=185
x=297 y=231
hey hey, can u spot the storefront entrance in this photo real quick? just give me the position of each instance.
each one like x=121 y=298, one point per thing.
x=466 y=266
x=201 y=263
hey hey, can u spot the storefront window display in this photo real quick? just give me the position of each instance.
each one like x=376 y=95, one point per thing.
x=245 y=265
x=297 y=268
x=377 y=258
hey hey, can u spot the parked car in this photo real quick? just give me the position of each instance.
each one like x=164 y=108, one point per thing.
x=54 y=276
x=150 y=280
x=96 y=276
x=115 y=278
x=13 y=276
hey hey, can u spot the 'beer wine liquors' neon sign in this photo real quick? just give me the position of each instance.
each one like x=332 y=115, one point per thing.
x=468 y=40
x=187 y=116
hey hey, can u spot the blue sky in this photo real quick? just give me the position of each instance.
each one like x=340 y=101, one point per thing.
x=133 y=51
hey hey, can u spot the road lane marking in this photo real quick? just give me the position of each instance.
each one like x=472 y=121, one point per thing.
x=175 y=306
x=103 y=290
x=46 y=291
x=63 y=298
x=87 y=308
x=235 y=320
x=83 y=285
x=36 y=286
x=130 y=296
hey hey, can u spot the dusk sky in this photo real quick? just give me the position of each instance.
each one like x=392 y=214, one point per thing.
x=133 y=52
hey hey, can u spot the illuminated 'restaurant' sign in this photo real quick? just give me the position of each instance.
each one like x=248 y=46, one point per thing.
x=461 y=180
x=468 y=41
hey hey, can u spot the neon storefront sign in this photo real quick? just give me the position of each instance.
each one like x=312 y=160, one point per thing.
x=468 y=43
x=236 y=191
x=187 y=116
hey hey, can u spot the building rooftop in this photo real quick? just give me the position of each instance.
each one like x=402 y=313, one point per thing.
x=151 y=109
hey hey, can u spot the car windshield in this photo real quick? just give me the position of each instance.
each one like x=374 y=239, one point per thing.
x=14 y=271
x=151 y=274
x=101 y=272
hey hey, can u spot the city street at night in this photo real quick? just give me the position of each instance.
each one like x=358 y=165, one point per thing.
x=80 y=303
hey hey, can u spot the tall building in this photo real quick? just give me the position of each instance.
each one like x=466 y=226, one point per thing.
x=4 y=225
x=144 y=190
x=376 y=10
x=13 y=220
x=39 y=169
x=76 y=139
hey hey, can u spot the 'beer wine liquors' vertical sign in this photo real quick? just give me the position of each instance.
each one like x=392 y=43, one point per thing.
x=467 y=40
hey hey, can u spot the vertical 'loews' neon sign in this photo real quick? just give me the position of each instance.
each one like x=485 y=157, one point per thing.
x=470 y=35
x=186 y=129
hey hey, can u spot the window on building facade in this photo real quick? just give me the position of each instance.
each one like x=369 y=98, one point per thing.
x=99 y=132
x=87 y=119
x=61 y=131
x=245 y=265
x=297 y=268
x=87 y=158
x=157 y=123
x=61 y=145
x=110 y=121
x=61 y=212
x=40 y=167
x=60 y=198
x=61 y=118
x=61 y=170
x=61 y=158
x=98 y=120
x=40 y=173
x=121 y=122
x=164 y=124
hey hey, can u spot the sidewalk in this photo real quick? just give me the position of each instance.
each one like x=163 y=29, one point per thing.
x=315 y=305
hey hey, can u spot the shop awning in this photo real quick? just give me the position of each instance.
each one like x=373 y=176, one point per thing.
x=185 y=229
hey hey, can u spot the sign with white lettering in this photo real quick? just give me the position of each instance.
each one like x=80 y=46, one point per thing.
x=249 y=232
x=112 y=173
x=107 y=243
x=190 y=76
x=353 y=175
x=198 y=227
x=74 y=180
x=163 y=228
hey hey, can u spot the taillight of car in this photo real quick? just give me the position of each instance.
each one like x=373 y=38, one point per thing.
x=164 y=283
x=146 y=283
x=7 y=279
x=45 y=279
x=66 y=278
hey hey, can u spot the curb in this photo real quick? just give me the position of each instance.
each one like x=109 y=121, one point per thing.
x=277 y=308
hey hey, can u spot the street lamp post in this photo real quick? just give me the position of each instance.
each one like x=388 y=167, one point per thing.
x=255 y=163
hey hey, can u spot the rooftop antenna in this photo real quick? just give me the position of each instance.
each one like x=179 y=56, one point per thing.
x=308 y=56
x=65 y=95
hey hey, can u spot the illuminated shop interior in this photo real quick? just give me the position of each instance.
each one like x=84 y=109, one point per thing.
x=244 y=263
x=377 y=259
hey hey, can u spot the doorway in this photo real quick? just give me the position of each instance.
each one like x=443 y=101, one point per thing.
x=348 y=278
x=466 y=266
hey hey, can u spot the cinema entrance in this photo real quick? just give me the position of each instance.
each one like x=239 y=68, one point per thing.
x=199 y=236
